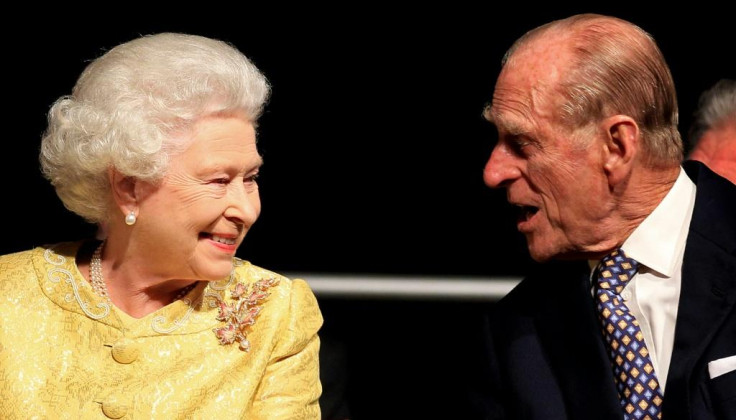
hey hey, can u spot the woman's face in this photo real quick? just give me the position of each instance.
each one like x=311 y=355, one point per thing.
x=192 y=223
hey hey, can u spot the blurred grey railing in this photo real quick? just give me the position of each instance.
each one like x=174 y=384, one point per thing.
x=408 y=287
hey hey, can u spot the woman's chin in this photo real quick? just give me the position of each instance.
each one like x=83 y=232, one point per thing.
x=216 y=271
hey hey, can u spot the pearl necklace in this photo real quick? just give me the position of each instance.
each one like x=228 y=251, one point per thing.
x=98 y=282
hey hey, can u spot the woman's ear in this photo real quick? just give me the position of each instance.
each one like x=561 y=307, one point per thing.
x=621 y=146
x=123 y=191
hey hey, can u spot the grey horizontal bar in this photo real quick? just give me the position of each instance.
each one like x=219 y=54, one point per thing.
x=408 y=287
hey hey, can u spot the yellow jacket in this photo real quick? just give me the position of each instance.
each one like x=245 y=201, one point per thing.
x=66 y=353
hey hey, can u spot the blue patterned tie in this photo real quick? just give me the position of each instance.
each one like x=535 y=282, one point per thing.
x=638 y=387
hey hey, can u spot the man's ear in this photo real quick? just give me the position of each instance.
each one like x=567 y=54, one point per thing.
x=622 y=143
x=124 y=191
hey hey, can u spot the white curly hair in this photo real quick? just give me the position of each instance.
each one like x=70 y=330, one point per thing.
x=128 y=105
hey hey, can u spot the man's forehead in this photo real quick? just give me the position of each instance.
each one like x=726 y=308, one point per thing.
x=541 y=63
x=516 y=107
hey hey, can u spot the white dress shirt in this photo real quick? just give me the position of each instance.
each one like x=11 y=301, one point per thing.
x=652 y=295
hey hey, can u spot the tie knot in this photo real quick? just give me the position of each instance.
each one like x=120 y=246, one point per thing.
x=615 y=269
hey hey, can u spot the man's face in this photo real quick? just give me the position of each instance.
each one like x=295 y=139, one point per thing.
x=552 y=173
x=717 y=149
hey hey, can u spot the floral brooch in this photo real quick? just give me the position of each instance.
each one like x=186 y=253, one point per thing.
x=242 y=313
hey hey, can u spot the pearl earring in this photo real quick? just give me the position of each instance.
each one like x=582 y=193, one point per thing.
x=130 y=219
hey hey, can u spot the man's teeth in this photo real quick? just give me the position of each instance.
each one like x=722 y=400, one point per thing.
x=222 y=240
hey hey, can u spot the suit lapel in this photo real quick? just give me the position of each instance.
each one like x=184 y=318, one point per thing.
x=571 y=335
x=708 y=289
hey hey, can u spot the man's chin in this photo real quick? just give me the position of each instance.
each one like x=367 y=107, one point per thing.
x=543 y=258
x=542 y=254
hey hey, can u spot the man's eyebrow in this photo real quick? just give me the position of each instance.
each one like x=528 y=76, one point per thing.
x=510 y=127
x=504 y=124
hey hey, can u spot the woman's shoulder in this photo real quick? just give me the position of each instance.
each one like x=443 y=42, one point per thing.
x=19 y=268
x=64 y=249
x=293 y=296
x=249 y=273
x=26 y=258
x=281 y=304
x=16 y=264
x=15 y=257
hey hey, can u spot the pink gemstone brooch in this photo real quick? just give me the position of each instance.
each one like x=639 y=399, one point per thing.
x=242 y=313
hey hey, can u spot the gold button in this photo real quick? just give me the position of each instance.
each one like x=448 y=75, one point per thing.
x=125 y=351
x=114 y=409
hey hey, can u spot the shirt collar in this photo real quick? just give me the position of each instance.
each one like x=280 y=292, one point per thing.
x=659 y=239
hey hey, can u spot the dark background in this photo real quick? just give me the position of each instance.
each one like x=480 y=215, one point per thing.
x=374 y=147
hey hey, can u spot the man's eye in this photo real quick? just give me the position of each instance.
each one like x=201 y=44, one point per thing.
x=518 y=145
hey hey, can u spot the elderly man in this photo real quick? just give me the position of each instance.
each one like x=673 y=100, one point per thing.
x=638 y=319
x=713 y=133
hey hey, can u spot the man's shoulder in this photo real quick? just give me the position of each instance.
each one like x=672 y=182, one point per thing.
x=715 y=205
x=710 y=183
x=544 y=282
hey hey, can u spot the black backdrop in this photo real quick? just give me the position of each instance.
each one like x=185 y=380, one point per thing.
x=373 y=140
x=374 y=147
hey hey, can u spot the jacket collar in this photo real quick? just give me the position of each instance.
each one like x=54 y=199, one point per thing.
x=62 y=283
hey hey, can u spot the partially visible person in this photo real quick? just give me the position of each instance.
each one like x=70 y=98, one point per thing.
x=713 y=132
x=157 y=145
x=637 y=317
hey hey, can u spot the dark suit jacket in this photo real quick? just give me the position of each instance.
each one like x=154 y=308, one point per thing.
x=546 y=353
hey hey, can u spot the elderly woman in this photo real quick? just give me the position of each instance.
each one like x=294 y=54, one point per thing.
x=157 y=145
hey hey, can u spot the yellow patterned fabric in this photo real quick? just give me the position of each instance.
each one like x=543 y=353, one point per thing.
x=66 y=353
